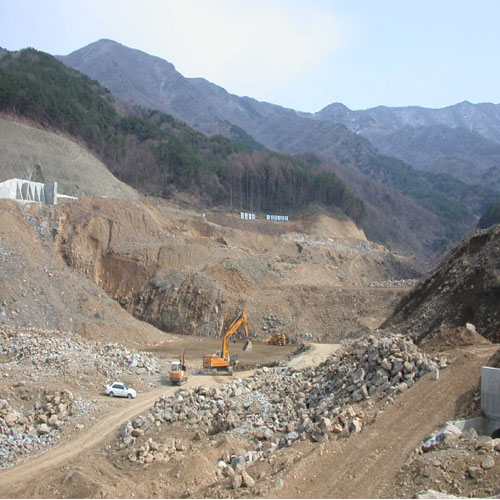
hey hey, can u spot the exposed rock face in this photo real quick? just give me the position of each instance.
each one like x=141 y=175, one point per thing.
x=136 y=258
x=187 y=304
x=185 y=274
x=464 y=288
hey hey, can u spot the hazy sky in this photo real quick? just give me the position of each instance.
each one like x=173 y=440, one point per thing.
x=303 y=54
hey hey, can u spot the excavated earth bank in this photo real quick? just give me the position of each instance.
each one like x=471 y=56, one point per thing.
x=188 y=273
x=364 y=413
x=464 y=288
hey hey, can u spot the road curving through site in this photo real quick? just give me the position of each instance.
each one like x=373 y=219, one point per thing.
x=13 y=479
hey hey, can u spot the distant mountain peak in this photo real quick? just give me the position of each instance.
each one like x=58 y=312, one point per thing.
x=464 y=105
x=336 y=107
x=103 y=42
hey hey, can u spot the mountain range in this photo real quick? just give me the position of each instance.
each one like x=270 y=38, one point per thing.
x=425 y=175
x=445 y=159
x=137 y=77
x=483 y=118
x=461 y=140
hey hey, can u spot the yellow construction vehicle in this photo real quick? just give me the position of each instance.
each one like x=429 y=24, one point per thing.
x=178 y=371
x=221 y=359
x=277 y=339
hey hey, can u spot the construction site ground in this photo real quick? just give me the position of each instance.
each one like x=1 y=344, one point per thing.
x=260 y=353
x=84 y=451
x=87 y=462
x=97 y=274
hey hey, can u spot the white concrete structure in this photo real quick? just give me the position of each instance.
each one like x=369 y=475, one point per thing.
x=490 y=396
x=23 y=190
x=247 y=216
x=489 y=425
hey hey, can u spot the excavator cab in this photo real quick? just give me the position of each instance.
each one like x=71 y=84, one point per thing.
x=178 y=371
x=175 y=366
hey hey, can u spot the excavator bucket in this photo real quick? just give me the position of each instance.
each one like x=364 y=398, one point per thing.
x=247 y=346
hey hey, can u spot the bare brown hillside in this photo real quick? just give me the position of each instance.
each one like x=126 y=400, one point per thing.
x=464 y=287
x=39 y=290
x=187 y=273
x=73 y=273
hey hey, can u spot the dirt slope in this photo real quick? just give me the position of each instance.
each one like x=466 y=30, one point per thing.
x=38 y=289
x=77 y=172
x=464 y=287
x=186 y=273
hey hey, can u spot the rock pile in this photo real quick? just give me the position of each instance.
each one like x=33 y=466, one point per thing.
x=25 y=431
x=317 y=403
x=57 y=352
x=149 y=451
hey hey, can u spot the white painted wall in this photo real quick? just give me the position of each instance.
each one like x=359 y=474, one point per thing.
x=20 y=189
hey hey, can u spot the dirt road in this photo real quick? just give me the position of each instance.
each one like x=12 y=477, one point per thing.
x=366 y=464
x=12 y=481
x=314 y=356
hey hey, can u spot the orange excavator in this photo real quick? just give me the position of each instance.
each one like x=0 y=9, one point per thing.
x=221 y=359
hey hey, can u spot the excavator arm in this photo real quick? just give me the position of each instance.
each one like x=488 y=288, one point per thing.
x=241 y=319
x=182 y=360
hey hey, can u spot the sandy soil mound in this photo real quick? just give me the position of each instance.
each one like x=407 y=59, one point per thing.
x=455 y=337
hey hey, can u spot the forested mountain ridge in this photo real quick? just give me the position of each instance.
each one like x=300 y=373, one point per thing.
x=156 y=153
x=140 y=78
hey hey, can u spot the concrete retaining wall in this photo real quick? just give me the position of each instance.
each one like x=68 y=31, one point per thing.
x=484 y=426
x=490 y=391
x=22 y=190
x=490 y=405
